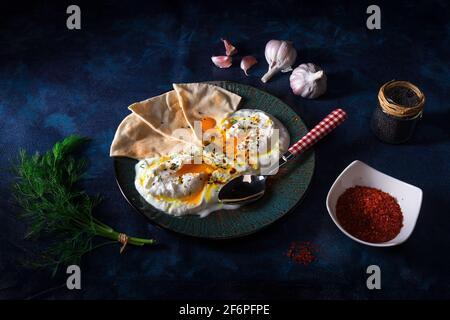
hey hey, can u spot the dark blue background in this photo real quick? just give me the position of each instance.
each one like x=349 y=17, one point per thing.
x=54 y=82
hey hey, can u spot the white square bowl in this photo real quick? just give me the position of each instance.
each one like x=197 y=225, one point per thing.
x=408 y=197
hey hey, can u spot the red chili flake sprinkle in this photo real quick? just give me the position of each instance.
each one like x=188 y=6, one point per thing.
x=369 y=214
x=302 y=252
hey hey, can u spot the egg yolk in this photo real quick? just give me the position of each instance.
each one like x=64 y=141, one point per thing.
x=208 y=123
x=195 y=168
x=196 y=197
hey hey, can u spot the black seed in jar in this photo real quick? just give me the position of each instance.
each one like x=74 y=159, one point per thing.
x=402 y=96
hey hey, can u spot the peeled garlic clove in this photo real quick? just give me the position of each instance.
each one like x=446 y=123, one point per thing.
x=229 y=48
x=280 y=56
x=308 y=81
x=247 y=62
x=222 y=61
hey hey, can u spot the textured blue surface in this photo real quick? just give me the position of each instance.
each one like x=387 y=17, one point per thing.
x=54 y=82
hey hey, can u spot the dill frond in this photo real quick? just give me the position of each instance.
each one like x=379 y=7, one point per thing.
x=55 y=208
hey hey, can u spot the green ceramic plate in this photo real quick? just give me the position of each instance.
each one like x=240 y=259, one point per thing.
x=284 y=191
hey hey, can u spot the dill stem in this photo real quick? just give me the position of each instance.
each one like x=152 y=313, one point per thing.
x=110 y=233
x=101 y=224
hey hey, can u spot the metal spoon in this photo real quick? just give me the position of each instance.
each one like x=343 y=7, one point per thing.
x=248 y=188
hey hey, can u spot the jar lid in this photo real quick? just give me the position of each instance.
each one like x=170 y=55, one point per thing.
x=401 y=99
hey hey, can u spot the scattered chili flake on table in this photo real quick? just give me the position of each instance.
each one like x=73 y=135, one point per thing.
x=302 y=252
x=369 y=214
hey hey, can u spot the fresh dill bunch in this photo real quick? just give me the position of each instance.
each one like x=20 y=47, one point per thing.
x=46 y=189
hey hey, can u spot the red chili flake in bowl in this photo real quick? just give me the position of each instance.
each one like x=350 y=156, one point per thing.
x=302 y=252
x=369 y=214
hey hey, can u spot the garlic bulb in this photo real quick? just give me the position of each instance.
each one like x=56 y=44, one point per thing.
x=280 y=56
x=308 y=81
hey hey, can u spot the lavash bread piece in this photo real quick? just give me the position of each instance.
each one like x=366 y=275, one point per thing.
x=135 y=139
x=164 y=124
x=200 y=100
x=163 y=113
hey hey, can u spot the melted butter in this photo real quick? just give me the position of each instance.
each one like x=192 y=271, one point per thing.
x=208 y=192
x=149 y=167
x=195 y=168
x=208 y=123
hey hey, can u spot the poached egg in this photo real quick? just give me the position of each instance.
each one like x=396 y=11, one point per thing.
x=189 y=182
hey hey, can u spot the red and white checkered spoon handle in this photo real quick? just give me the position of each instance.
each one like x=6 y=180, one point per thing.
x=324 y=127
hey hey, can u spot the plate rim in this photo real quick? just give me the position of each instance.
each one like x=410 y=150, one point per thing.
x=216 y=238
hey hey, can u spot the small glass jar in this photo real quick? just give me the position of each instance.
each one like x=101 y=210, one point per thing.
x=400 y=109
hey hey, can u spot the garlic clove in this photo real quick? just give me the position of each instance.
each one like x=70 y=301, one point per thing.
x=229 y=48
x=222 y=61
x=271 y=51
x=247 y=62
